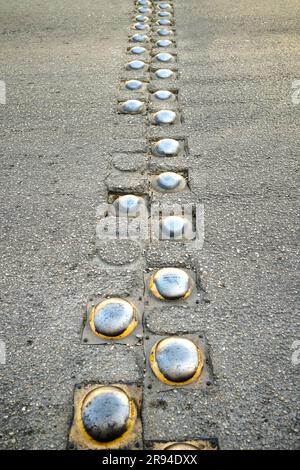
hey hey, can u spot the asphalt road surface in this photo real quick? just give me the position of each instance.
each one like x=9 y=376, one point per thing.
x=62 y=63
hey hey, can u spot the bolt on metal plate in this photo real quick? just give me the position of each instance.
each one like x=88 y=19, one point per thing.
x=117 y=326
x=190 y=444
x=158 y=375
x=106 y=416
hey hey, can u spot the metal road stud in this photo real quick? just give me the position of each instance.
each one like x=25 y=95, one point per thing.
x=181 y=446
x=132 y=106
x=164 y=116
x=106 y=417
x=164 y=95
x=164 y=57
x=193 y=445
x=143 y=2
x=164 y=32
x=169 y=181
x=164 y=6
x=137 y=50
x=139 y=37
x=144 y=10
x=164 y=14
x=189 y=445
x=164 y=22
x=166 y=147
x=164 y=73
x=136 y=65
x=176 y=361
x=113 y=318
x=141 y=27
x=142 y=18
x=130 y=205
x=164 y=43
x=133 y=84
x=107 y=413
x=175 y=226
x=171 y=284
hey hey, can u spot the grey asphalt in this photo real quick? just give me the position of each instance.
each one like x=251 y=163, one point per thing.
x=62 y=63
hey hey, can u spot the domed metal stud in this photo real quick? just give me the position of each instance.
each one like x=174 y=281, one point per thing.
x=164 y=73
x=113 y=319
x=139 y=38
x=143 y=2
x=164 y=95
x=163 y=22
x=141 y=27
x=181 y=446
x=133 y=85
x=136 y=65
x=107 y=413
x=137 y=50
x=164 y=43
x=171 y=284
x=175 y=226
x=164 y=116
x=142 y=18
x=164 y=57
x=166 y=148
x=164 y=6
x=176 y=361
x=169 y=181
x=132 y=107
x=130 y=205
x=164 y=14
x=164 y=32
x=144 y=10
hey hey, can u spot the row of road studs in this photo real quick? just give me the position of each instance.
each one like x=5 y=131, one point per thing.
x=109 y=416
